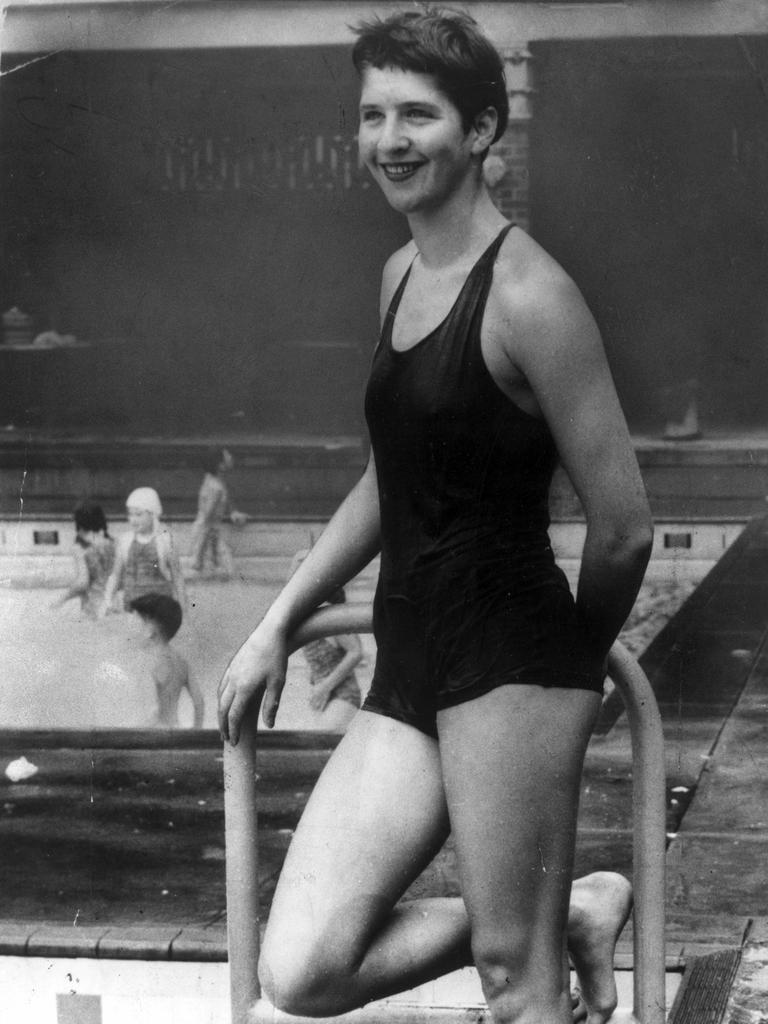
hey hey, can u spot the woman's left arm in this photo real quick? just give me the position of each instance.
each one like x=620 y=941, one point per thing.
x=553 y=341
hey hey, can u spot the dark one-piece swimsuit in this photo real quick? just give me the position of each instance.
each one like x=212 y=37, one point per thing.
x=469 y=597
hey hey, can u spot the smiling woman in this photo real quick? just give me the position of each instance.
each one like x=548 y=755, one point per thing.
x=412 y=139
x=488 y=675
x=415 y=126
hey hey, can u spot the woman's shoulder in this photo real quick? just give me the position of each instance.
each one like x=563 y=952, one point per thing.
x=401 y=258
x=393 y=272
x=530 y=288
x=523 y=266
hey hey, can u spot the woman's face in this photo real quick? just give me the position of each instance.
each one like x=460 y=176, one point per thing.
x=412 y=139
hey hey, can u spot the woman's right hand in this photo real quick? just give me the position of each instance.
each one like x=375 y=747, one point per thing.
x=257 y=670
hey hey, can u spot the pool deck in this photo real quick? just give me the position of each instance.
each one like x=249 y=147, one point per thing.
x=115 y=848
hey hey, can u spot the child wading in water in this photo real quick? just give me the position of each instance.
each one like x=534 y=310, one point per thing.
x=335 y=695
x=170 y=671
x=145 y=561
x=94 y=555
x=212 y=503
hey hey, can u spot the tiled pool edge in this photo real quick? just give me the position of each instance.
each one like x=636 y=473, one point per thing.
x=175 y=943
x=178 y=944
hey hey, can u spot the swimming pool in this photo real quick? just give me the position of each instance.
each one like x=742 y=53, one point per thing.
x=61 y=670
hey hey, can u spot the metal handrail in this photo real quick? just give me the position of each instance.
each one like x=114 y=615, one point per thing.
x=648 y=800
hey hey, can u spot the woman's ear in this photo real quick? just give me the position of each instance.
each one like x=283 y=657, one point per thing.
x=484 y=126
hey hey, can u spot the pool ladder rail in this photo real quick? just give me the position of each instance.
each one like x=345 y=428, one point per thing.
x=649 y=847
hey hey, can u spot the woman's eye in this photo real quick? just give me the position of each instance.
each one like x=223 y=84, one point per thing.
x=419 y=114
x=369 y=116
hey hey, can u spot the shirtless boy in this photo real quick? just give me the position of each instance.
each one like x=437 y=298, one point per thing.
x=161 y=616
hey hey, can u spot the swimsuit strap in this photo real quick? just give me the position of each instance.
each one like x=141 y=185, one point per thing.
x=476 y=274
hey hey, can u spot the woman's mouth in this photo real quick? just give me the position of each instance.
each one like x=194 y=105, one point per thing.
x=401 y=171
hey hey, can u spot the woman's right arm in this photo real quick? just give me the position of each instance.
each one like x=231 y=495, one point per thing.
x=346 y=546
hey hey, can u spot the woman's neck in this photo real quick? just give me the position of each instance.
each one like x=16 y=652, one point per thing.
x=459 y=228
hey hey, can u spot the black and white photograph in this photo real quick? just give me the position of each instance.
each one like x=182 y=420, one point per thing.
x=384 y=511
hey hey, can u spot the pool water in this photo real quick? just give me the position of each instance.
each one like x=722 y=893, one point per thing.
x=59 y=669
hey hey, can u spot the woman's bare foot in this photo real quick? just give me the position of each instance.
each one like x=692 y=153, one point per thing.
x=599 y=908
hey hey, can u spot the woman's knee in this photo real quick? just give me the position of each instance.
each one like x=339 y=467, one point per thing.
x=309 y=983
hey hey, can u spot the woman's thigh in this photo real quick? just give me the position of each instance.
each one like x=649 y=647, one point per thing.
x=511 y=763
x=337 y=715
x=375 y=819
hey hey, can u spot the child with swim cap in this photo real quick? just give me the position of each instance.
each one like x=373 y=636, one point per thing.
x=145 y=561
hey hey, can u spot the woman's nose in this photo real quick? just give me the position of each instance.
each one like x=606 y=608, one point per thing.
x=393 y=138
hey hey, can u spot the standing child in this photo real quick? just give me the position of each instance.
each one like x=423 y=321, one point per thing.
x=94 y=555
x=212 y=503
x=335 y=694
x=145 y=560
x=170 y=671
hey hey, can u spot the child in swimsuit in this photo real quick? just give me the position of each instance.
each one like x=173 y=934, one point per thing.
x=94 y=556
x=208 y=540
x=145 y=561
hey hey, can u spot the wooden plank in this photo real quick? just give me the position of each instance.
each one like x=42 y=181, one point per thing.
x=703 y=994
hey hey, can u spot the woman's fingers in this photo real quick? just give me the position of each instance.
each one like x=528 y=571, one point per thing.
x=234 y=697
x=272 y=701
x=235 y=717
x=257 y=669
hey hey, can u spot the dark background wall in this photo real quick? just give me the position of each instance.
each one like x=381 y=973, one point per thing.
x=200 y=219
x=650 y=184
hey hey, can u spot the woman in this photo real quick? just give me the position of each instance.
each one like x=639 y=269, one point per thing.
x=488 y=674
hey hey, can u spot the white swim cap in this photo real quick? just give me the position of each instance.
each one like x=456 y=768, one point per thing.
x=146 y=499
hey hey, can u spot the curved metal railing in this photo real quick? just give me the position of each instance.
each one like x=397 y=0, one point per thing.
x=649 y=847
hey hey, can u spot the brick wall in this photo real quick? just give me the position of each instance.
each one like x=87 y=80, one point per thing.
x=511 y=193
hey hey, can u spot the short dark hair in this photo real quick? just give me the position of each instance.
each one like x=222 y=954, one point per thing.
x=212 y=461
x=159 y=608
x=445 y=44
x=89 y=516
